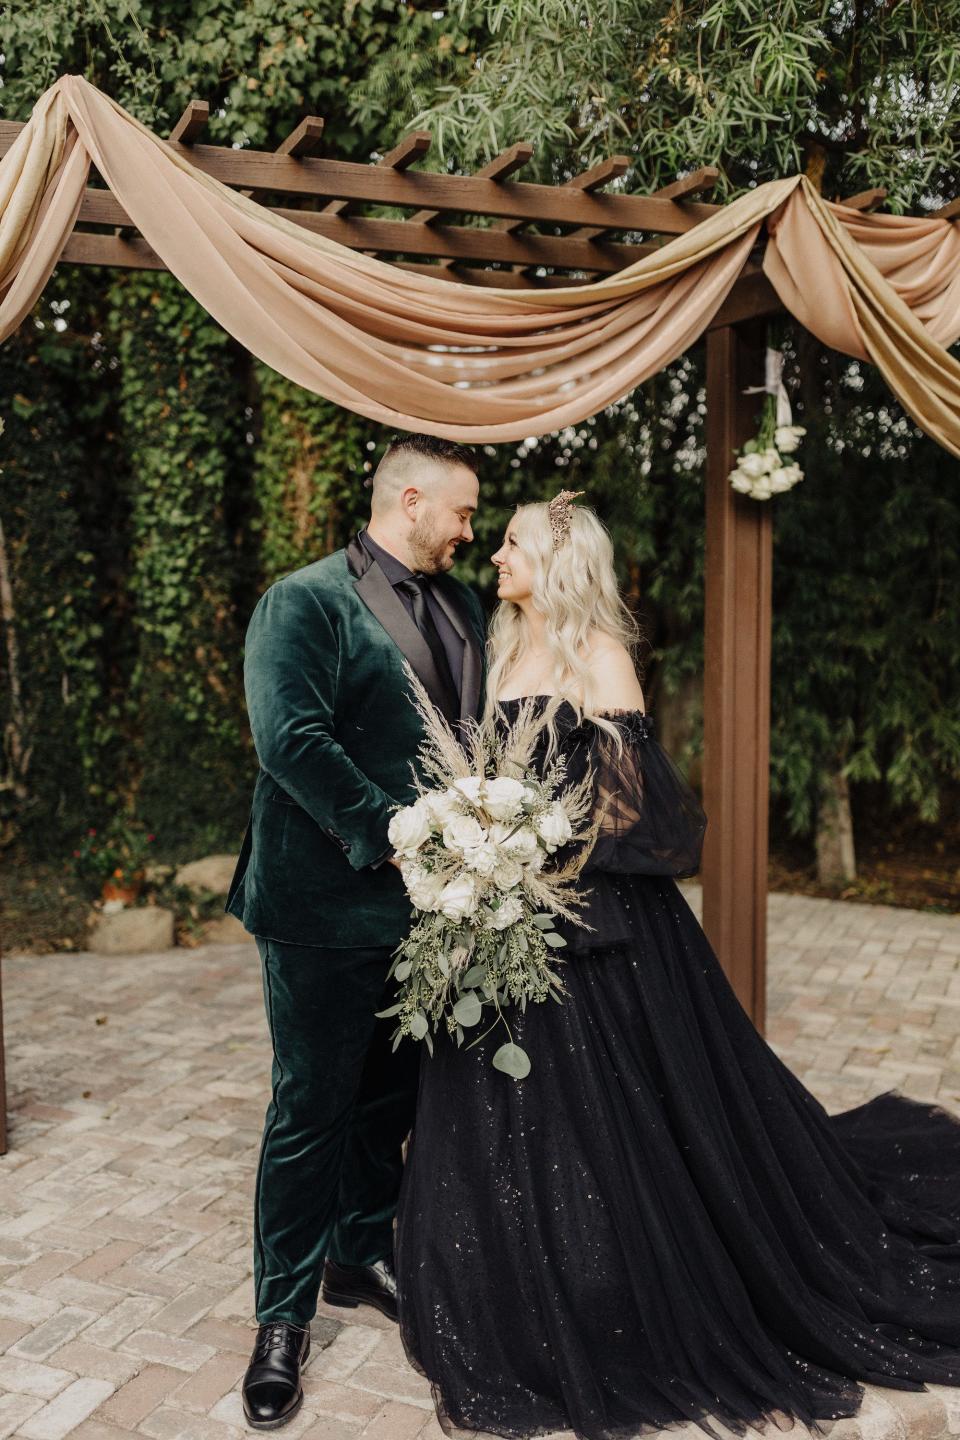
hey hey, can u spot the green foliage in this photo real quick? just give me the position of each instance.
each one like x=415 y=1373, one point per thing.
x=59 y=741
x=866 y=643
x=181 y=411
x=861 y=95
x=308 y=475
x=117 y=853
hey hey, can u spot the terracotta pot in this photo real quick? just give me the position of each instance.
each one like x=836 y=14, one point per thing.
x=113 y=890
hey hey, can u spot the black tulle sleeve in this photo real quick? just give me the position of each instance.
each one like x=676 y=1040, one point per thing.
x=653 y=823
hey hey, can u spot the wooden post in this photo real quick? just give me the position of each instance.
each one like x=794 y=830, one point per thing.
x=739 y=535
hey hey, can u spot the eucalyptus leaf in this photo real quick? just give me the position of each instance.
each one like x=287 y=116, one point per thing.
x=392 y=1010
x=473 y=976
x=512 y=1061
x=403 y=970
x=543 y=921
x=418 y=1025
x=557 y=941
x=468 y=1010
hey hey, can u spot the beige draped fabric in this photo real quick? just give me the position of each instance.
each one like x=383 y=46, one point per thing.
x=481 y=365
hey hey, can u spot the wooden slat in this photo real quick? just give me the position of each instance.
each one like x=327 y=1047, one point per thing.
x=751 y=295
x=304 y=139
x=950 y=211
x=191 y=123
x=698 y=182
x=499 y=168
x=865 y=200
x=469 y=194
x=403 y=237
x=586 y=182
x=410 y=149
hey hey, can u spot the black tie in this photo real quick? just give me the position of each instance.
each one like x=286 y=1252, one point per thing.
x=416 y=587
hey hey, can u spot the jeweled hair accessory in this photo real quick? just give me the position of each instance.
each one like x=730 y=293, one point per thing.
x=560 y=510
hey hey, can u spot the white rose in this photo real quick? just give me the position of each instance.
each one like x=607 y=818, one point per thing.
x=507 y=873
x=779 y=480
x=755 y=464
x=423 y=888
x=441 y=806
x=471 y=787
x=462 y=833
x=741 y=482
x=482 y=859
x=409 y=827
x=554 y=827
x=458 y=898
x=509 y=912
x=787 y=438
x=761 y=491
x=503 y=797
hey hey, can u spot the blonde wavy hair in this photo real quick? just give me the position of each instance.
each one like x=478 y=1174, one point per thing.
x=575 y=589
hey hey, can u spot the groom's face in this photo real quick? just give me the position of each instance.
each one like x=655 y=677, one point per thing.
x=442 y=517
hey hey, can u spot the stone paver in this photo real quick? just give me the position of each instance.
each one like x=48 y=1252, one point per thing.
x=138 y=1085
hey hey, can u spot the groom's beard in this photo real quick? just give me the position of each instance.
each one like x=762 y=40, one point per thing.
x=430 y=548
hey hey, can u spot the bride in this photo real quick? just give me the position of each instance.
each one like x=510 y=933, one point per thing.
x=660 y=1223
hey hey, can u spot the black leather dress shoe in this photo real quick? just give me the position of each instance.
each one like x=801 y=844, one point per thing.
x=272 y=1393
x=352 y=1285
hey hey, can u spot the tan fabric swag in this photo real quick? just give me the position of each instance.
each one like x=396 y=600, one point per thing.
x=474 y=364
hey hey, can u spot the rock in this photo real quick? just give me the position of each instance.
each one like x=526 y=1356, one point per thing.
x=213 y=872
x=224 y=930
x=133 y=931
x=157 y=874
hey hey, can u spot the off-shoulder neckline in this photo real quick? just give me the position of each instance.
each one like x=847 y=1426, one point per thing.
x=548 y=695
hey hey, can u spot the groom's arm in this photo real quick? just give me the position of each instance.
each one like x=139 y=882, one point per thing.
x=290 y=675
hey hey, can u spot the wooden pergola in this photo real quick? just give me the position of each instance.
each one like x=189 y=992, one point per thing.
x=575 y=229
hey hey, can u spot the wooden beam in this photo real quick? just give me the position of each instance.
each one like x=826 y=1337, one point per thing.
x=403 y=237
x=950 y=211
x=698 y=182
x=499 y=168
x=752 y=294
x=399 y=158
x=304 y=139
x=864 y=200
x=586 y=182
x=469 y=194
x=736 y=703
x=192 y=122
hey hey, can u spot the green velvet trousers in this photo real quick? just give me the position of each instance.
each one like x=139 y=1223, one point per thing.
x=341 y=1106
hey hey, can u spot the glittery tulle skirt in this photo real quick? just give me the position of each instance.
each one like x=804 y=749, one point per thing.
x=660 y=1223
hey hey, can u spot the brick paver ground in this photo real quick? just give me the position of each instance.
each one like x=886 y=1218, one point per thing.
x=138 y=1086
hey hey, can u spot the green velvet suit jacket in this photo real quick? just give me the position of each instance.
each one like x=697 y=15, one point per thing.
x=336 y=735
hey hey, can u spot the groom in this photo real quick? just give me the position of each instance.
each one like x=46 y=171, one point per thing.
x=336 y=735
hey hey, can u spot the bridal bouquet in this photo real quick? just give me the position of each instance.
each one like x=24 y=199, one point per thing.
x=475 y=851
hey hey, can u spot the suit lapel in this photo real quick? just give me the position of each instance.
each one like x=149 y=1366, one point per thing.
x=386 y=605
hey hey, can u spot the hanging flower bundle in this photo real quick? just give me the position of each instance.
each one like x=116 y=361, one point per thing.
x=761 y=469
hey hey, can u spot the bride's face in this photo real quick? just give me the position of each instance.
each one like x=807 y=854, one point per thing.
x=515 y=579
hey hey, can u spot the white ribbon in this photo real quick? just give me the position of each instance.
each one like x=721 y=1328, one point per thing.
x=773 y=385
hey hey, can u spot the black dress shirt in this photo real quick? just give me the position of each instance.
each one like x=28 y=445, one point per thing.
x=395 y=571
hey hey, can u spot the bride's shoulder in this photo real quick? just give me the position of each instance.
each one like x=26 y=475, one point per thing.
x=611 y=673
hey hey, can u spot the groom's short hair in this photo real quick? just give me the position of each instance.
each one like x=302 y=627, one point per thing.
x=399 y=462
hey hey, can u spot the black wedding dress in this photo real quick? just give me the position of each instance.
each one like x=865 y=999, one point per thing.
x=660 y=1223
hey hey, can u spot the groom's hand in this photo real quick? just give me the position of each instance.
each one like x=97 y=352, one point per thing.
x=392 y=860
